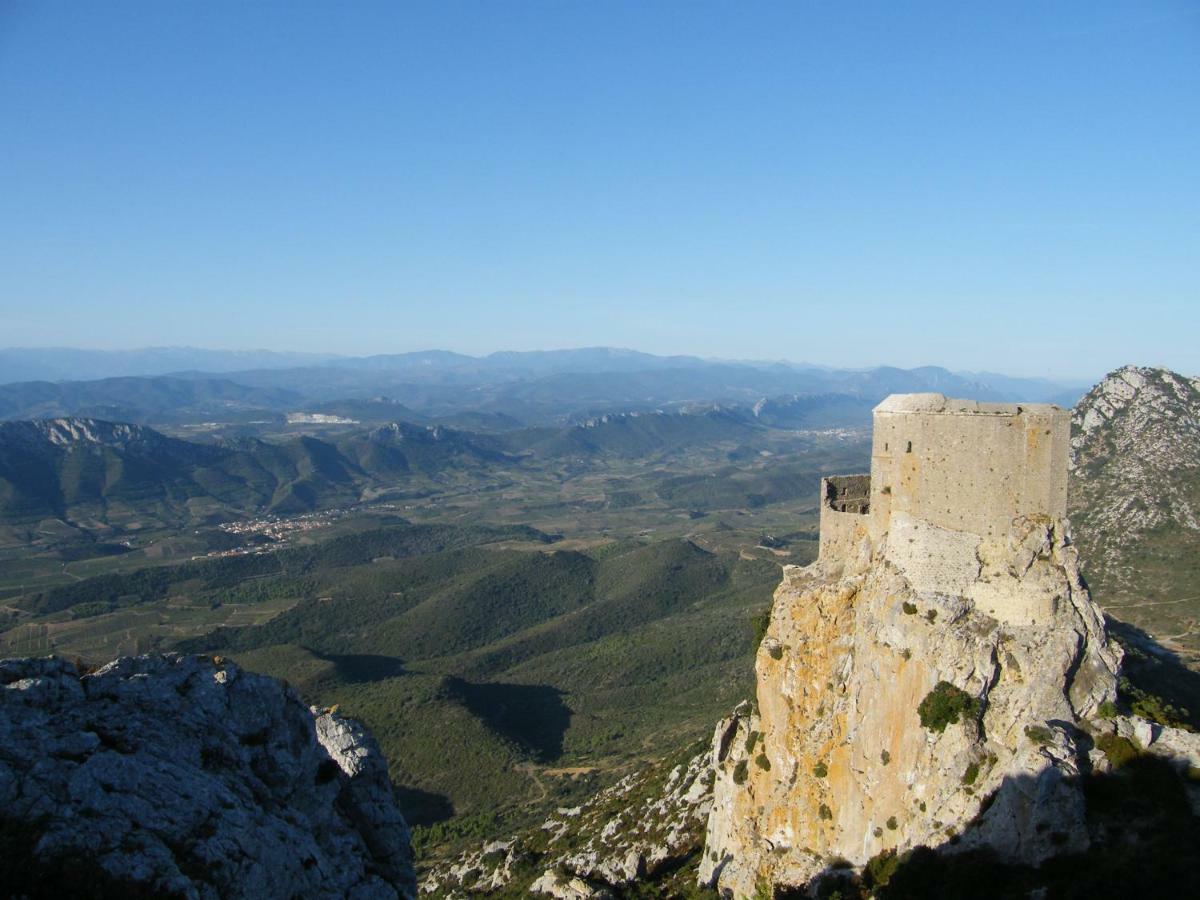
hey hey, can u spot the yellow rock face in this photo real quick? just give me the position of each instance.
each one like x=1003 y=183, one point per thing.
x=835 y=765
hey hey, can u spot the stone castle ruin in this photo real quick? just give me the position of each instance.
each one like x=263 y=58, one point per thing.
x=947 y=572
x=953 y=488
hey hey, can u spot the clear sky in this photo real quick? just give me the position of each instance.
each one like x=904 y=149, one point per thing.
x=1004 y=186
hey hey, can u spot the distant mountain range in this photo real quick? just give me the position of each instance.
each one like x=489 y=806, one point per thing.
x=340 y=426
x=497 y=392
x=71 y=364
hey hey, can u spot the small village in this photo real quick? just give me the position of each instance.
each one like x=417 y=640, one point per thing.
x=275 y=529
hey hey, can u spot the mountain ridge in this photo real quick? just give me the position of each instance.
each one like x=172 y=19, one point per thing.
x=1135 y=497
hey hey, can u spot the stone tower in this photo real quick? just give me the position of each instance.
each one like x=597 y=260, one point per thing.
x=953 y=484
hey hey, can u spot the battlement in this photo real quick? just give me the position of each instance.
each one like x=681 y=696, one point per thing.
x=951 y=481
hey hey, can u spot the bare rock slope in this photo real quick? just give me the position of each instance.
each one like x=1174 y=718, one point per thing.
x=187 y=776
x=1135 y=499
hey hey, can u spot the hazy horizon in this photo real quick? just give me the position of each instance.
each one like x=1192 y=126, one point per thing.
x=1011 y=188
x=318 y=356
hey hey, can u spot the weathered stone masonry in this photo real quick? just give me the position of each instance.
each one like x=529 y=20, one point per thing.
x=952 y=484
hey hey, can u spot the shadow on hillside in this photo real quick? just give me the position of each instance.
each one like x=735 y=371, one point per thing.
x=423 y=807
x=362 y=668
x=532 y=715
x=1143 y=841
x=1153 y=668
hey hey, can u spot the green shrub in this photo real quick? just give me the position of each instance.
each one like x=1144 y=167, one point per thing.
x=944 y=705
x=1039 y=734
x=776 y=652
x=931 y=615
x=762 y=762
x=751 y=738
x=741 y=772
x=880 y=868
x=820 y=770
x=825 y=812
x=1155 y=708
x=1107 y=710
x=1119 y=750
x=892 y=824
x=885 y=757
x=910 y=609
x=759 y=623
x=971 y=774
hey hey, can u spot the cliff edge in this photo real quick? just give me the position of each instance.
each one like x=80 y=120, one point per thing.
x=939 y=678
x=185 y=776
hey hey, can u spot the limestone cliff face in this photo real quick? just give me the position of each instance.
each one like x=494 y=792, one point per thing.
x=186 y=776
x=835 y=764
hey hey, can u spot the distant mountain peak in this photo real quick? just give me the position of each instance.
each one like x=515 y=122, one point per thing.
x=1145 y=393
x=1135 y=484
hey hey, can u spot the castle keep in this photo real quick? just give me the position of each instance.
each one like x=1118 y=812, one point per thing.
x=953 y=484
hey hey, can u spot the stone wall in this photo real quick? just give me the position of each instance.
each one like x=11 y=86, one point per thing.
x=952 y=484
x=845 y=501
x=966 y=466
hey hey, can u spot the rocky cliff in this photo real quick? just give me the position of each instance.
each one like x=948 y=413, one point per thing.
x=1135 y=499
x=888 y=718
x=187 y=776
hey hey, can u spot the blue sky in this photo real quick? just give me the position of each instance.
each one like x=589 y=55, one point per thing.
x=1006 y=186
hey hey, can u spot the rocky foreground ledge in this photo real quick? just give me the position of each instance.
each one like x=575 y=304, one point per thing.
x=187 y=776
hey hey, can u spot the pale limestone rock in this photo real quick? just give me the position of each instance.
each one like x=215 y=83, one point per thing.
x=835 y=763
x=569 y=887
x=202 y=781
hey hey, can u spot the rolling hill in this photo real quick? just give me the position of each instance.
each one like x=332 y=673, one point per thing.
x=93 y=472
x=474 y=664
x=483 y=659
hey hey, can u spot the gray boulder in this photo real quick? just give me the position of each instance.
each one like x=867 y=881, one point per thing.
x=187 y=776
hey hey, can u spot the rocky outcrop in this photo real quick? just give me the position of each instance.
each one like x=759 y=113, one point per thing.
x=187 y=776
x=889 y=717
x=641 y=829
